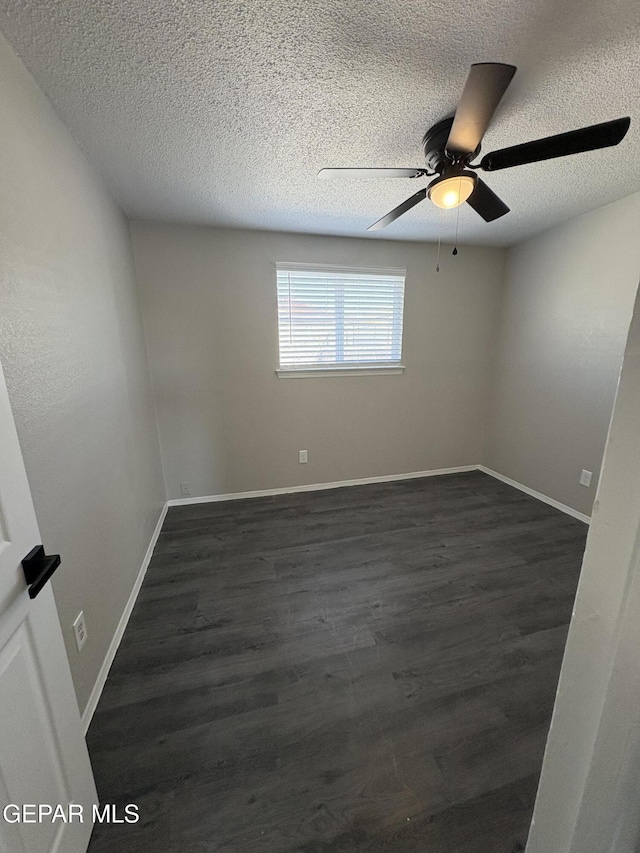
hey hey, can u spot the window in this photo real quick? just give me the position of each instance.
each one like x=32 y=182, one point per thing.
x=339 y=320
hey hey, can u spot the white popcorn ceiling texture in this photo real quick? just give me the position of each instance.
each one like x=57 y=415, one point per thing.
x=223 y=112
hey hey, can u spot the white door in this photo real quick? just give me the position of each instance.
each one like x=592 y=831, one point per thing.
x=43 y=756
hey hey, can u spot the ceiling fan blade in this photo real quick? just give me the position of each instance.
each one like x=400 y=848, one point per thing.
x=483 y=90
x=371 y=173
x=574 y=142
x=485 y=202
x=399 y=210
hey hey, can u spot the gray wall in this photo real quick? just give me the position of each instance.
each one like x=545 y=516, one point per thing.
x=73 y=352
x=228 y=424
x=564 y=320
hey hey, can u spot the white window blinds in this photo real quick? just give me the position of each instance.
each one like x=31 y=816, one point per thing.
x=337 y=318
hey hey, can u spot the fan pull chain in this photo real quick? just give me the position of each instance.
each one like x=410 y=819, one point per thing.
x=439 y=239
x=455 y=245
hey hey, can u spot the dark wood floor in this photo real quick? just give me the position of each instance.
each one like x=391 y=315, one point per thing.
x=362 y=669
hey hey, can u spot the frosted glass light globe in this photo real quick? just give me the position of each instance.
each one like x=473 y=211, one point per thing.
x=452 y=191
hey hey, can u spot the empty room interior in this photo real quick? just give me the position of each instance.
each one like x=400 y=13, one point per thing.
x=317 y=324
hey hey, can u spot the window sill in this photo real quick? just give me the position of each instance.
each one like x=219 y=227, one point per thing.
x=309 y=372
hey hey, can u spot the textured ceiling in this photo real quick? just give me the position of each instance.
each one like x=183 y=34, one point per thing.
x=223 y=112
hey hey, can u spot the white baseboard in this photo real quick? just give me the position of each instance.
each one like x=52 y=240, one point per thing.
x=94 y=698
x=544 y=498
x=315 y=487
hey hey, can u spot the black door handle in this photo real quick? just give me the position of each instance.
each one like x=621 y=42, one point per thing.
x=38 y=568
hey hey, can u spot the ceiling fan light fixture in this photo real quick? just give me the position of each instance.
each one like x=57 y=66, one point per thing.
x=451 y=191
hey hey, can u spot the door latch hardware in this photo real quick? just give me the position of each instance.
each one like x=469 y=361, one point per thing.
x=38 y=568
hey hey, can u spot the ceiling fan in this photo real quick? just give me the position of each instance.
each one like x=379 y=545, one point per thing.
x=451 y=144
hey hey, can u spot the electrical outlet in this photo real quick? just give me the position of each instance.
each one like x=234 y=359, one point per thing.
x=303 y=456
x=585 y=478
x=185 y=490
x=80 y=630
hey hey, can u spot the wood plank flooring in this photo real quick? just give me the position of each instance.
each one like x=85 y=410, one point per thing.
x=362 y=669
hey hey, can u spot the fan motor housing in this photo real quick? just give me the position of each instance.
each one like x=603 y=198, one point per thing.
x=433 y=145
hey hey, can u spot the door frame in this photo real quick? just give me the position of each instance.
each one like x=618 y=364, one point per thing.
x=587 y=799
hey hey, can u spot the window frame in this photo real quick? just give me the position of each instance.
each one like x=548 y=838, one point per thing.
x=377 y=368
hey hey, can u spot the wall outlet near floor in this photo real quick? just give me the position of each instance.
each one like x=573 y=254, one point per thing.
x=80 y=630
x=185 y=490
x=585 y=478
x=303 y=456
